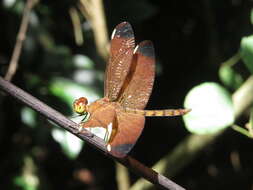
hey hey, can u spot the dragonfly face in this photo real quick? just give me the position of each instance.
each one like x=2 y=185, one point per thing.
x=80 y=105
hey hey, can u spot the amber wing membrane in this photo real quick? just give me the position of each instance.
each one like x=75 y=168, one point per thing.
x=129 y=128
x=121 y=52
x=139 y=83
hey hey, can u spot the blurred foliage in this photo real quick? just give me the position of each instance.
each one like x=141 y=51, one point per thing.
x=247 y=52
x=28 y=179
x=212 y=109
x=228 y=75
x=196 y=46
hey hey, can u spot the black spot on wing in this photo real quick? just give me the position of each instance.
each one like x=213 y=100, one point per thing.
x=121 y=150
x=146 y=48
x=124 y=30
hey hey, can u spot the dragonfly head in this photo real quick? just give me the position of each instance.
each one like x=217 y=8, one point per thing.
x=80 y=105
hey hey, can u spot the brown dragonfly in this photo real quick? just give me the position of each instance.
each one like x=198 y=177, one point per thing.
x=128 y=84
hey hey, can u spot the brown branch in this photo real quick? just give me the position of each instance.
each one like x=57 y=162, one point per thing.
x=94 y=13
x=122 y=177
x=20 y=38
x=76 y=26
x=137 y=167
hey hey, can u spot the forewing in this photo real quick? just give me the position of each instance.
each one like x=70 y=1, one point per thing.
x=139 y=83
x=121 y=52
x=129 y=128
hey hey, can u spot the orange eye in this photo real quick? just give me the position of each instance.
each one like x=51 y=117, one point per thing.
x=79 y=105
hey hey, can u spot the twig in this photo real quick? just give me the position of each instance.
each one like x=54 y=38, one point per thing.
x=94 y=13
x=122 y=177
x=91 y=139
x=20 y=38
x=232 y=60
x=76 y=26
x=191 y=146
x=243 y=97
x=241 y=130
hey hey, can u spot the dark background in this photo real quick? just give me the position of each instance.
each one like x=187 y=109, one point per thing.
x=191 y=39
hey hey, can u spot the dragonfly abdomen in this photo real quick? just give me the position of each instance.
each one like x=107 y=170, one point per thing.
x=158 y=113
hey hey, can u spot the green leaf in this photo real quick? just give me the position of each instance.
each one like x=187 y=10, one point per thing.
x=8 y=3
x=14 y=5
x=68 y=90
x=29 y=179
x=212 y=109
x=28 y=116
x=70 y=144
x=230 y=77
x=83 y=62
x=246 y=52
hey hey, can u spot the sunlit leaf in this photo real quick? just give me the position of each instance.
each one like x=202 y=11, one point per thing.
x=83 y=62
x=85 y=76
x=247 y=52
x=212 y=109
x=28 y=116
x=70 y=144
x=14 y=5
x=68 y=90
x=85 y=73
x=8 y=3
x=28 y=180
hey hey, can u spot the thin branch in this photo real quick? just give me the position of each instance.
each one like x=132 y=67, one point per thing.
x=122 y=177
x=20 y=39
x=241 y=130
x=91 y=139
x=85 y=8
x=94 y=13
x=232 y=60
x=192 y=145
x=76 y=26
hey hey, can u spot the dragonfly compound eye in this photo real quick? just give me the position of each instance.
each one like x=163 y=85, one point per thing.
x=80 y=104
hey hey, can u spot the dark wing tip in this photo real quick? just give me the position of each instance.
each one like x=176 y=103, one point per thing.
x=123 y=30
x=146 y=48
x=121 y=150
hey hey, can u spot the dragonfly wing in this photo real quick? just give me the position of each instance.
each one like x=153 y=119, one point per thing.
x=121 y=52
x=139 y=84
x=129 y=128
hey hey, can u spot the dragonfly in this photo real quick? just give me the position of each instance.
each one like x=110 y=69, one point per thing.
x=128 y=83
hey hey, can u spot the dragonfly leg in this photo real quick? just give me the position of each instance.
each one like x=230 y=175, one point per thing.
x=108 y=133
x=81 y=130
x=108 y=147
x=86 y=114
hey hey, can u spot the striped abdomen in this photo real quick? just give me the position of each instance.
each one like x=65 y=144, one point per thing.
x=158 y=113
